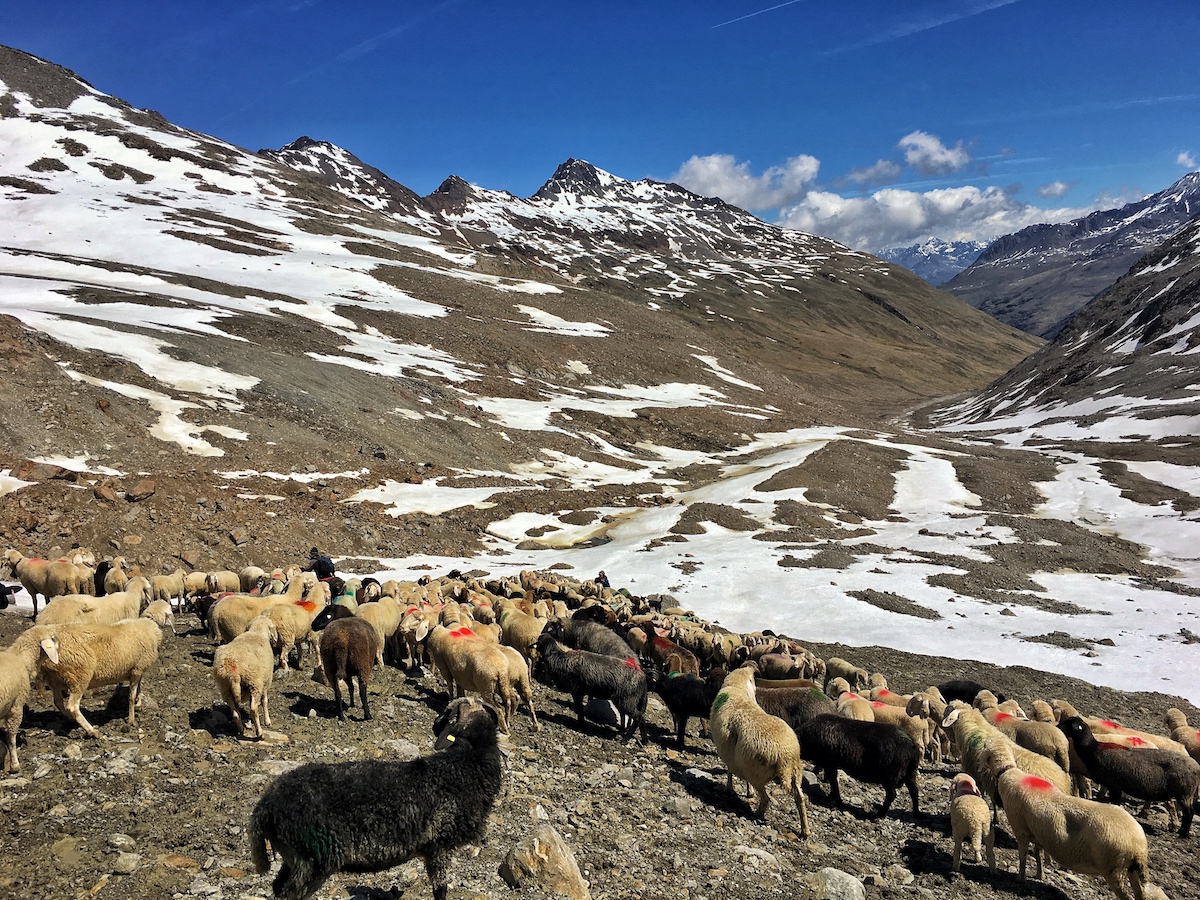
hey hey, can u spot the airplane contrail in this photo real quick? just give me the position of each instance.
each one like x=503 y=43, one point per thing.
x=759 y=13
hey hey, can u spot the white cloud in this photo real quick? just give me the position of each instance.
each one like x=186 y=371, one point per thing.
x=1054 y=189
x=720 y=175
x=892 y=217
x=881 y=172
x=929 y=156
x=1185 y=158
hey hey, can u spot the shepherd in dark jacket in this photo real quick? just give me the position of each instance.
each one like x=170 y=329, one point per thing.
x=321 y=566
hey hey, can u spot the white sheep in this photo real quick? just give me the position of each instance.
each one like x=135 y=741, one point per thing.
x=242 y=670
x=116 y=576
x=755 y=746
x=31 y=572
x=106 y=610
x=170 y=587
x=293 y=622
x=230 y=615
x=18 y=665
x=852 y=706
x=1081 y=835
x=384 y=616
x=836 y=667
x=251 y=577
x=970 y=819
x=223 y=582
x=77 y=658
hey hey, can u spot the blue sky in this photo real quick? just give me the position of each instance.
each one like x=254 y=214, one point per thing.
x=877 y=123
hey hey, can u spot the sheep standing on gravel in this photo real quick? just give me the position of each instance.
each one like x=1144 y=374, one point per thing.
x=1080 y=835
x=836 y=667
x=106 y=610
x=1176 y=722
x=368 y=816
x=30 y=572
x=76 y=658
x=755 y=746
x=18 y=665
x=1151 y=774
x=581 y=673
x=348 y=650
x=970 y=818
x=242 y=670
x=871 y=752
x=170 y=587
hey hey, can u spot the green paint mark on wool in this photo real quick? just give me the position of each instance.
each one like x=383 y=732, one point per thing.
x=974 y=742
x=316 y=843
x=722 y=699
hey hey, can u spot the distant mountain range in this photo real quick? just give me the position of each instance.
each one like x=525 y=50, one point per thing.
x=935 y=260
x=1124 y=369
x=1037 y=278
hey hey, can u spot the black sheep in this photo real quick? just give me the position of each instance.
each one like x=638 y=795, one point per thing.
x=348 y=649
x=685 y=696
x=582 y=673
x=1146 y=773
x=872 y=752
x=367 y=816
x=584 y=634
x=330 y=613
x=795 y=705
x=965 y=690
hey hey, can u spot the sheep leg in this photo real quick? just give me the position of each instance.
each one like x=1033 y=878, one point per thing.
x=681 y=730
x=76 y=713
x=437 y=867
x=764 y=800
x=135 y=694
x=255 y=700
x=801 y=805
x=889 y=797
x=266 y=712
x=11 y=727
x=337 y=697
x=990 y=847
x=362 y=692
x=831 y=779
x=912 y=792
x=958 y=842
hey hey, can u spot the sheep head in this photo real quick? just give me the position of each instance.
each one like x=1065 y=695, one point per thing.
x=463 y=718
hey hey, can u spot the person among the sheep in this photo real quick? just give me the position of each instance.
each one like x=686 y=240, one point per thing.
x=321 y=566
x=602 y=579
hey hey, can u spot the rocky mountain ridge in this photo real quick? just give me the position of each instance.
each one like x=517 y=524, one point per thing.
x=1037 y=278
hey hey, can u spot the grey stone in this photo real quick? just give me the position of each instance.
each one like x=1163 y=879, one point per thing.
x=834 y=884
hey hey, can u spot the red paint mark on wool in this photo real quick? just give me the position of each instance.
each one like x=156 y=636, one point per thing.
x=308 y=605
x=877 y=704
x=1037 y=784
x=1113 y=745
x=462 y=633
x=411 y=609
x=1001 y=717
x=1109 y=724
x=632 y=663
x=885 y=693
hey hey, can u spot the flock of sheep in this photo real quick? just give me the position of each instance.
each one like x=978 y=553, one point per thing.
x=768 y=704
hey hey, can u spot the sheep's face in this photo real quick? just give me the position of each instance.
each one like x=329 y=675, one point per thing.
x=459 y=717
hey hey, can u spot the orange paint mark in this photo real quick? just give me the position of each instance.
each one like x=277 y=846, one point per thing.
x=307 y=605
x=1037 y=784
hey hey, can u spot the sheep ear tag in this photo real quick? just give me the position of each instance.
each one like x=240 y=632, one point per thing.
x=49 y=648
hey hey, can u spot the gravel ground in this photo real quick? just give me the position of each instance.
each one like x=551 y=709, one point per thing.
x=161 y=811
